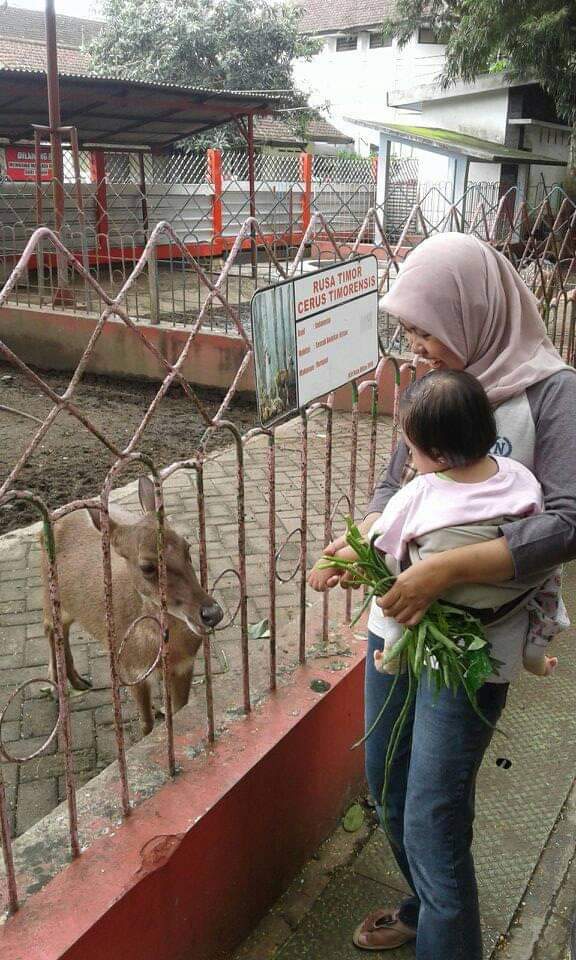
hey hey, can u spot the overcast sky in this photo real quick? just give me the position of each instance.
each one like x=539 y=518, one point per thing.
x=74 y=8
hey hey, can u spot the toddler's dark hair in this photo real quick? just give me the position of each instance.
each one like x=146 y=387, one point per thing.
x=447 y=415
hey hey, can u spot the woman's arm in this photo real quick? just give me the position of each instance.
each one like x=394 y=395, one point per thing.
x=387 y=485
x=390 y=480
x=416 y=588
x=548 y=539
x=527 y=546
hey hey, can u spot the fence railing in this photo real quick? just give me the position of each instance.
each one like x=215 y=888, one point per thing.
x=540 y=244
x=196 y=464
x=121 y=197
x=167 y=290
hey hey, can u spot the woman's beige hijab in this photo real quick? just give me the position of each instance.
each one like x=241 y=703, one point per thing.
x=466 y=294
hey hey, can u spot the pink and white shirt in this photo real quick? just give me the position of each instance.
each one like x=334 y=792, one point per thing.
x=430 y=502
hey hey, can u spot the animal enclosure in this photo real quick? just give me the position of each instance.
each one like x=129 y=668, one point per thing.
x=253 y=512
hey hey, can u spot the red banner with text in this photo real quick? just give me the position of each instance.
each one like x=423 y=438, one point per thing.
x=21 y=163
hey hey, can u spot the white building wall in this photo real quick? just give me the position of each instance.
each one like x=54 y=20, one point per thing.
x=417 y=63
x=550 y=143
x=354 y=83
x=484 y=173
x=481 y=115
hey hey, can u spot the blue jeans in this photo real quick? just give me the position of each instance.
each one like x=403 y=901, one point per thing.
x=430 y=804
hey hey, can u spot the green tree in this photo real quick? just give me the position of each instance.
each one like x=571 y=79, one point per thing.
x=222 y=44
x=526 y=39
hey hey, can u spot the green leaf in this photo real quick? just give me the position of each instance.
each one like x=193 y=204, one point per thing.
x=353 y=818
x=477 y=643
x=478 y=671
x=260 y=630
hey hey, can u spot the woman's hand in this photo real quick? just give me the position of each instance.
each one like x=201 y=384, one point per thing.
x=418 y=587
x=414 y=590
x=346 y=580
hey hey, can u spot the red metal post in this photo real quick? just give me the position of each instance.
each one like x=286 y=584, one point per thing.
x=252 y=188
x=143 y=198
x=306 y=161
x=38 y=173
x=98 y=176
x=54 y=119
x=39 y=210
x=214 y=158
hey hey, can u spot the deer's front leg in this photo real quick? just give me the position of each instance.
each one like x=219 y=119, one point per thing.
x=180 y=684
x=142 y=694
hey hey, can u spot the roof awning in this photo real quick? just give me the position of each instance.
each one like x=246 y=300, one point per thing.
x=450 y=143
x=123 y=113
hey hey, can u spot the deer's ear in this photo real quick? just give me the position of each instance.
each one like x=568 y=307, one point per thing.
x=115 y=527
x=96 y=517
x=146 y=495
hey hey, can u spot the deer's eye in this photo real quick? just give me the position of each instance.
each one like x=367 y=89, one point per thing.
x=148 y=569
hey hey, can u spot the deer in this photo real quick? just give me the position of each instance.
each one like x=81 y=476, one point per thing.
x=135 y=594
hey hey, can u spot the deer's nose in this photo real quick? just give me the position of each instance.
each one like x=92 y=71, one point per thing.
x=211 y=614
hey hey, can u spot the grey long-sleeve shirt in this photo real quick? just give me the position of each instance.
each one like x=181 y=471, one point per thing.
x=538 y=428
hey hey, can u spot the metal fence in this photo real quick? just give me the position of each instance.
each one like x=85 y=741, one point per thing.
x=547 y=264
x=540 y=244
x=196 y=466
x=119 y=198
x=343 y=190
x=167 y=290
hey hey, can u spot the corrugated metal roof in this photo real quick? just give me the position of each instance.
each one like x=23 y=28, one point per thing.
x=321 y=16
x=23 y=52
x=253 y=98
x=78 y=89
x=23 y=49
x=126 y=113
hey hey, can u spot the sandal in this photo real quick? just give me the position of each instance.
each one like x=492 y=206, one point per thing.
x=382 y=930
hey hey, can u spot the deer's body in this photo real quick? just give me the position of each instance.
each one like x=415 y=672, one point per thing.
x=134 y=595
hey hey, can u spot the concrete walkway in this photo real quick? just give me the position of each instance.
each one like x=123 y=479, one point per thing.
x=526 y=816
x=525 y=840
x=35 y=788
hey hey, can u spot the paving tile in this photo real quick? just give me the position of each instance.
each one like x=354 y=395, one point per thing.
x=516 y=810
x=23 y=649
x=35 y=800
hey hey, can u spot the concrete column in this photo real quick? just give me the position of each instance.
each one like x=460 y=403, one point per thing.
x=522 y=185
x=522 y=181
x=382 y=181
x=458 y=176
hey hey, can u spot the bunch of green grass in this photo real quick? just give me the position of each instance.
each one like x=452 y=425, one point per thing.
x=448 y=644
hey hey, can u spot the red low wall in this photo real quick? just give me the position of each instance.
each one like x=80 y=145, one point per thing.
x=52 y=340
x=192 y=870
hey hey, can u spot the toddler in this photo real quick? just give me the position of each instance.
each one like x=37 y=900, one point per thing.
x=461 y=495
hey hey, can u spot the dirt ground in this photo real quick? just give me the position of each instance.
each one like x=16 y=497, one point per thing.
x=70 y=462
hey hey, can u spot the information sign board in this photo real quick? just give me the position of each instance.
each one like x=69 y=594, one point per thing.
x=313 y=334
x=21 y=163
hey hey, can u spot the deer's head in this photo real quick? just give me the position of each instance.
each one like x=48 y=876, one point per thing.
x=137 y=543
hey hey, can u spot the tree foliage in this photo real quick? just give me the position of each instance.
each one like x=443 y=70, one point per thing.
x=221 y=44
x=526 y=39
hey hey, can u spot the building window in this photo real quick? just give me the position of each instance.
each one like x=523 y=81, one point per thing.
x=377 y=40
x=427 y=35
x=346 y=43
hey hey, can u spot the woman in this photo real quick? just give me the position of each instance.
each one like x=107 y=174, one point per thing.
x=464 y=307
